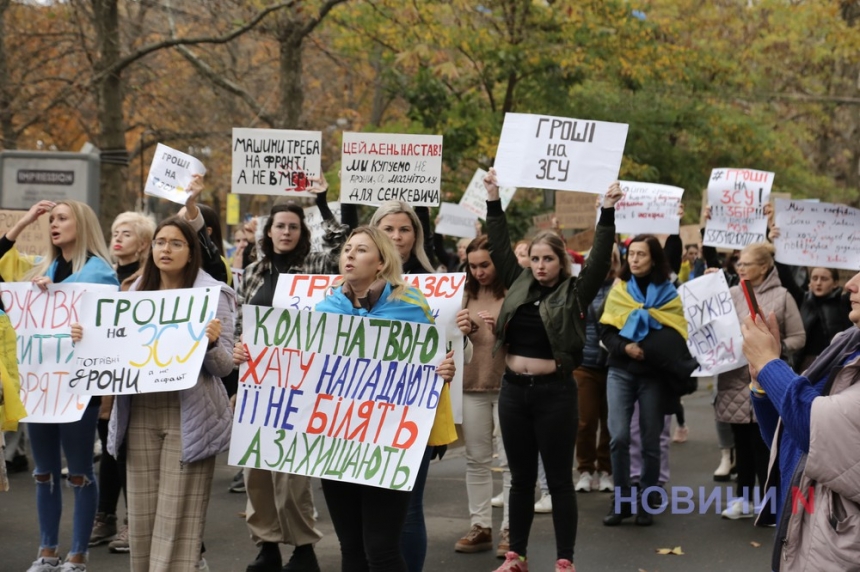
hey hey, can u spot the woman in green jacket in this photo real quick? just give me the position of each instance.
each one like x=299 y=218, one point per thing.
x=542 y=322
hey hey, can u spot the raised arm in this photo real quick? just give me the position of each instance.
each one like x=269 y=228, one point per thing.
x=599 y=260
x=501 y=252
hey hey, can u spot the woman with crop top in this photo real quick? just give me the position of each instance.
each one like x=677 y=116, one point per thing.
x=542 y=322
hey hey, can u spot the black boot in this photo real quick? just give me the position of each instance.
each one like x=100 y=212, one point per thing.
x=653 y=502
x=268 y=560
x=613 y=518
x=304 y=559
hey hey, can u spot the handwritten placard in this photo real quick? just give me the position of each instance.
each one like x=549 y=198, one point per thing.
x=737 y=198
x=545 y=152
x=475 y=197
x=379 y=167
x=170 y=174
x=454 y=220
x=444 y=294
x=648 y=208
x=33 y=240
x=42 y=322
x=314 y=222
x=275 y=161
x=142 y=342
x=335 y=396
x=713 y=328
x=576 y=210
x=817 y=234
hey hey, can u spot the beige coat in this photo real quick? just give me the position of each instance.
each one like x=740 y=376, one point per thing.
x=828 y=537
x=733 y=395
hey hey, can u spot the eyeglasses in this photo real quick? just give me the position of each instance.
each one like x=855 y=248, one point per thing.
x=161 y=244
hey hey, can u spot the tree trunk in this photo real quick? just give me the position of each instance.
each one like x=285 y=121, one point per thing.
x=290 y=37
x=7 y=130
x=114 y=168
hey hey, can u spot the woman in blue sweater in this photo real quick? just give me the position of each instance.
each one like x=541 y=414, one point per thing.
x=812 y=423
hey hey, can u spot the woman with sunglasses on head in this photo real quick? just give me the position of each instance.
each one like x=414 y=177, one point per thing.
x=542 y=322
x=78 y=253
x=173 y=437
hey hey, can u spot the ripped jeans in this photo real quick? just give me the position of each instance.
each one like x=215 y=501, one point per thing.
x=77 y=440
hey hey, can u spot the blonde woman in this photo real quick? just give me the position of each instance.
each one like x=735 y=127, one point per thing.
x=733 y=405
x=131 y=235
x=78 y=253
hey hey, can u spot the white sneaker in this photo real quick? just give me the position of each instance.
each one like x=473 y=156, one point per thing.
x=605 y=484
x=544 y=505
x=203 y=566
x=498 y=501
x=583 y=485
x=738 y=509
x=73 y=567
x=43 y=564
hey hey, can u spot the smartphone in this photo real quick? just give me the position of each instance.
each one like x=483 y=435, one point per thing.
x=752 y=303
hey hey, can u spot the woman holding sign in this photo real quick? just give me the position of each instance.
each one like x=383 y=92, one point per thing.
x=280 y=505
x=542 y=321
x=756 y=265
x=409 y=230
x=368 y=520
x=173 y=437
x=78 y=253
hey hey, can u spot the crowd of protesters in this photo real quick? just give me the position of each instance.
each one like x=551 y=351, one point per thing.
x=575 y=367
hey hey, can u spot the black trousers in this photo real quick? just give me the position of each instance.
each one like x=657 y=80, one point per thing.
x=368 y=522
x=541 y=417
x=751 y=459
x=111 y=473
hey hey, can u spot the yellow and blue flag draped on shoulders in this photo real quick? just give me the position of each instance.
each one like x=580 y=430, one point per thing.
x=635 y=314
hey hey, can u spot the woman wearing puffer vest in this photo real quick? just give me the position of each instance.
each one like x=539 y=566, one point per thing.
x=733 y=406
x=811 y=422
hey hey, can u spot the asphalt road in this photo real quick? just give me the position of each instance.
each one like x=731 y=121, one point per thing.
x=708 y=542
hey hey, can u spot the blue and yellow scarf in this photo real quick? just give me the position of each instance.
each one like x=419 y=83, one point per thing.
x=635 y=314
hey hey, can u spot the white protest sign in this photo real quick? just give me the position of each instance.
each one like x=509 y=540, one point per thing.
x=336 y=396
x=142 y=342
x=648 y=208
x=817 y=234
x=444 y=294
x=454 y=220
x=545 y=152
x=713 y=328
x=379 y=167
x=737 y=198
x=314 y=222
x=475 y=198
x=42 y=322
x=170 y=174
x=275 y=161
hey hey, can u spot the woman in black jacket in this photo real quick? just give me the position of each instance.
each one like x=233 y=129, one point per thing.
x=824 y=311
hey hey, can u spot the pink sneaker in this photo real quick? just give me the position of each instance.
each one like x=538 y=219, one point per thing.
x=564 y=565
x=513 y=563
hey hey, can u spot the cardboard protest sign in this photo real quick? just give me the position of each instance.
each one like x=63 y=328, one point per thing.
x=379 y=167
x=817 y=234
x=444 y=293
x=42 y=322
x=142 y=342
x=314 y=222
x=690 y=234
x=713 y=327
x=170 y=174
x=545 y=152
x=475 y=198
x=581 y=241
x=454 y=220
x=33 y=240
x=336 y=396
x=737 y=198
x=576 y=210
x=648 y=208
x=275 y=161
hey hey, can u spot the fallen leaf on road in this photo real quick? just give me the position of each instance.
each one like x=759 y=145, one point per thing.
x=677 y=551
x=755 y=544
